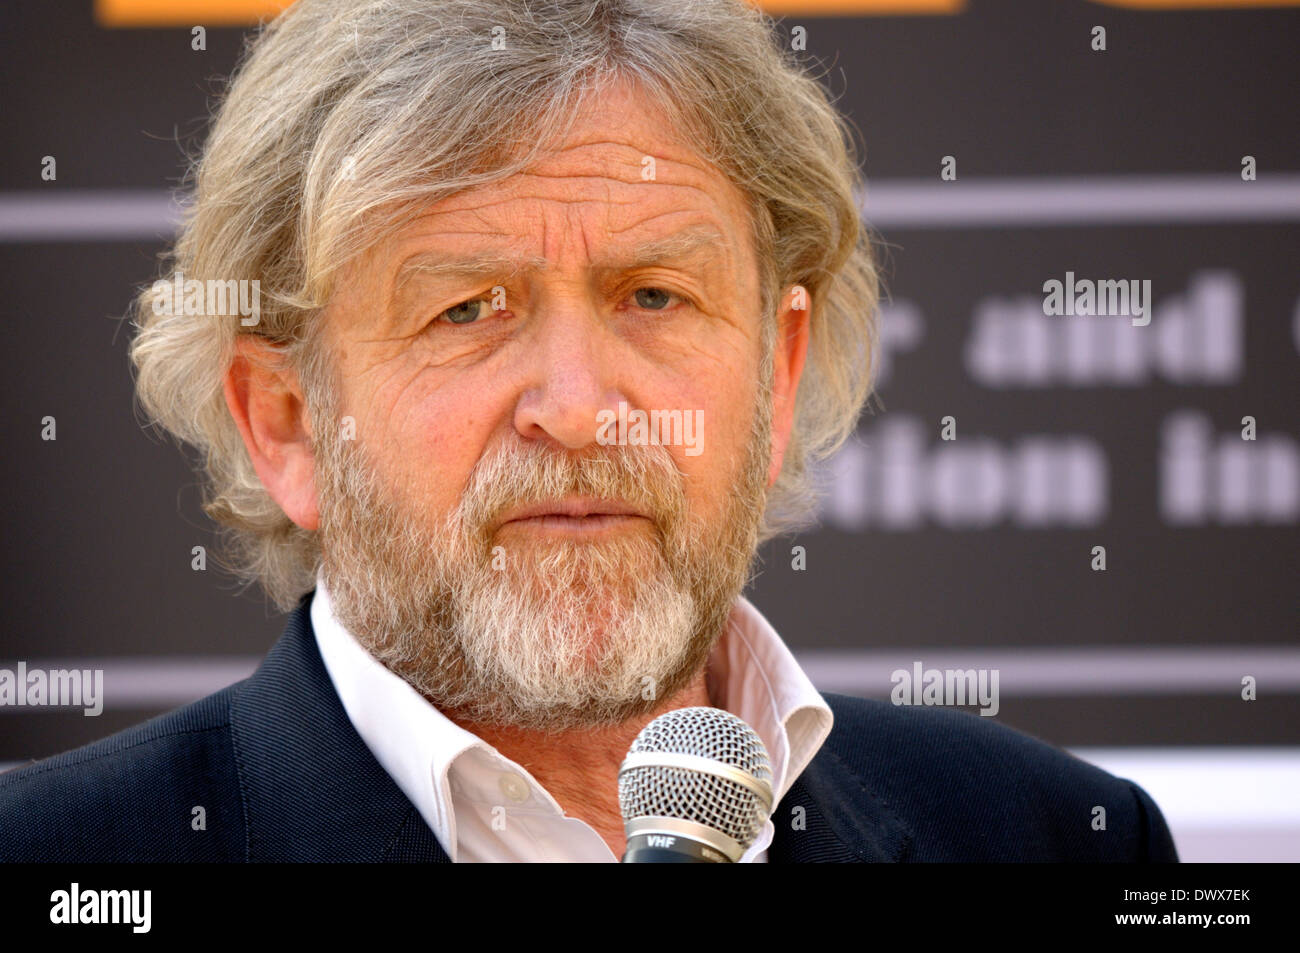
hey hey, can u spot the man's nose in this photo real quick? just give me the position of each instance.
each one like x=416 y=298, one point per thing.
x=572 y=365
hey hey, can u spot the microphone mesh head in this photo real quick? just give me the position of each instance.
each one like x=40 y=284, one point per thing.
x=719 y=803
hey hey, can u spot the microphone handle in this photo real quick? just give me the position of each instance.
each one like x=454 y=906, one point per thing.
x=669 y=849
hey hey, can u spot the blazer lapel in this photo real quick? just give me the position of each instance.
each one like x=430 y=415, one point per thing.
x=312 y=791
x=841 y=821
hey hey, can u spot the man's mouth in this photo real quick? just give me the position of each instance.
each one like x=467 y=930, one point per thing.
x=581 y=515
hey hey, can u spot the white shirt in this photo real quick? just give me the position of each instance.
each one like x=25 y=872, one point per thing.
x=460 y=784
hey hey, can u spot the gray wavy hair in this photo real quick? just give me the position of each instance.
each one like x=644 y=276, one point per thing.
x=345 y=118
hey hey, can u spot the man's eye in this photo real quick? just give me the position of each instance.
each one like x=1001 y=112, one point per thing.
x=653 y=299
x=466 y=312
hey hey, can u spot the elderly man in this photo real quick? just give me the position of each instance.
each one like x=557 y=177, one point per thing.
x=559 y=303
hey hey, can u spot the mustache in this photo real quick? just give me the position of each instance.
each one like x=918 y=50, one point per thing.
x=519 y=473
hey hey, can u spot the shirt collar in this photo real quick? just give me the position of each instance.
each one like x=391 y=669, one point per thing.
x=751 y=673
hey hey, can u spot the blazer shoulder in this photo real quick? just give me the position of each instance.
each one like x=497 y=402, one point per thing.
x=974 y=789
x=163 y=790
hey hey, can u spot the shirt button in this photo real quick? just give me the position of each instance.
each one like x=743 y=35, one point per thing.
x=514 y=787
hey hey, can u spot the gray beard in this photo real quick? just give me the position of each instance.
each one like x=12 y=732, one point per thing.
x=540 y=634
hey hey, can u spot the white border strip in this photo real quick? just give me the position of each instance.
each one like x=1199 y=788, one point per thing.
x=1084 y=200
x=78 y=216
x=123 y=215
x=1222 y=805
x=1035 y=672
x=1214 y=788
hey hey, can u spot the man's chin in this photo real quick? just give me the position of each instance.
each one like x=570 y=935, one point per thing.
x=585 y=628
x=583 y=655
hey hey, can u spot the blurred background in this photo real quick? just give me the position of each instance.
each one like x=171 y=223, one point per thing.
x=1006 y=145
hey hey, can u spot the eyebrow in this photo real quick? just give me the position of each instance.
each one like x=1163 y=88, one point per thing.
x=451 y=266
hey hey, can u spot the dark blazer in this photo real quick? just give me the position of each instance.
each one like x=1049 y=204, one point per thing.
x=283 y=776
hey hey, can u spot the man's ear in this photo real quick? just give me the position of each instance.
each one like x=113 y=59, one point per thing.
x=791 y=348
x=266 y=401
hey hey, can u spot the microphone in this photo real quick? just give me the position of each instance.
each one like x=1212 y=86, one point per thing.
x=695 y=788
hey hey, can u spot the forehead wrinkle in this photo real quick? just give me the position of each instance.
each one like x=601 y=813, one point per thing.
x=453 y=265
x=687 y=243
x=481 y=204
x=662 y=183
